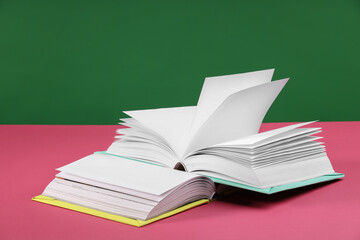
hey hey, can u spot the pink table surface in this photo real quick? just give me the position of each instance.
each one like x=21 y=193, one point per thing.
x=30 y=154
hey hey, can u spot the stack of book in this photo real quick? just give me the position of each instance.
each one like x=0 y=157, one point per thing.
x=137 y=180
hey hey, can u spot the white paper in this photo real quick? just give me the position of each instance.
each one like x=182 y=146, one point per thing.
x=240 y=115
x=252 y=139
x=172 y=124
x=128 y=174
x=295 y=171
x=216 y=89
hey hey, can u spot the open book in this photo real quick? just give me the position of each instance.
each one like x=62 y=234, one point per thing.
x=216 y=141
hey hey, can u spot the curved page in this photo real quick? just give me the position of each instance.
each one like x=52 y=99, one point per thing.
x=127 y=174
x=172 y=124
x=240 y=115
x=216 y=89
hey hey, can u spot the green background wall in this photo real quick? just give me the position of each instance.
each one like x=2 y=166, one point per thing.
x=83 y=62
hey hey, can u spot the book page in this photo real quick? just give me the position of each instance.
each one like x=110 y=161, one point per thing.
x=240 y=115
x=127 y=174
x=294 y=171
x=172 y=124
x=216 y=89
x=127 y=193
x=253 y=139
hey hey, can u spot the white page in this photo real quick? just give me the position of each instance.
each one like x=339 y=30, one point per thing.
x=101 y=195
x=287 y=148
x=94 y=204
x=130 y=193
x=143 y=151
x=287 y=137
x=172 y=124
x=252 y=139
x=225 y=166
x=240 y=115
x=139 y=130
x=216 y=89
x=258 y=151
x=123 y=121
x=280 y=174
x=286 y=156
x=128 y=174
x=143 y=134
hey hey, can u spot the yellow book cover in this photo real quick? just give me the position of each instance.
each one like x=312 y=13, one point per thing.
x=117 y=218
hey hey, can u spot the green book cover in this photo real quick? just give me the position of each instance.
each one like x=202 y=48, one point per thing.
x=271 y=190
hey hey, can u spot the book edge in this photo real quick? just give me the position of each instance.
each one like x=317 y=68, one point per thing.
x=324 y=178
x=271 y=190
x=114 y=217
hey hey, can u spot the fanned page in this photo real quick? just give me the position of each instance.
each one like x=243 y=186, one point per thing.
x=273 y=158
x=219 y=137
x=240 y=115
x=127 y=188
x=156 y=135
x=229 y=107
x=217 y=89
x=127 y=174
x=172 y=124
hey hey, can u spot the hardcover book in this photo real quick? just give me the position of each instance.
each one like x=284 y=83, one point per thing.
x=164 y=161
